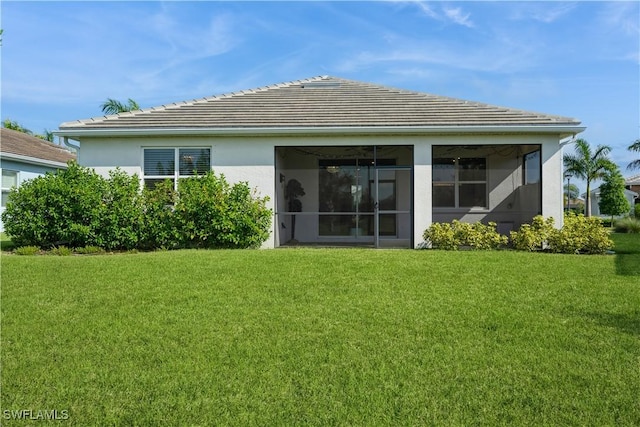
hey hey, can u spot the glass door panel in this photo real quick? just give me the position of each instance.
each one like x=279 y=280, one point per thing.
x=393 y=193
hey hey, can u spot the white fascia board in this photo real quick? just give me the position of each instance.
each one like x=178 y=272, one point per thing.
x=562 y=130
x=33 y=160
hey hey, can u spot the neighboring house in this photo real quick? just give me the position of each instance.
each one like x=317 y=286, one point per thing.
x=595 y=200
x=574 y=204
x=633 y=184
x=378 y=165
x=23 y=157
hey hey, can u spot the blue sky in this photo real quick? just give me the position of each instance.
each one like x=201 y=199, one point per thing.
x=61 y=60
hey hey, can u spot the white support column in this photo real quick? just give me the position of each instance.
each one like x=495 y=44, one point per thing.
x=552 y=192
x=422 y=202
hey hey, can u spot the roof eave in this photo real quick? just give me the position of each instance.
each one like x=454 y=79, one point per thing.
x=563 y=130
x=33 y=160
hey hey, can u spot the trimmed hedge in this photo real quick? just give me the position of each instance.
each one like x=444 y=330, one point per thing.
x=76 y=207
x=579 y=234
x=454 y=235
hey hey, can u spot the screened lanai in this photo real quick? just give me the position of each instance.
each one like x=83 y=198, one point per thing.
x=349 y=195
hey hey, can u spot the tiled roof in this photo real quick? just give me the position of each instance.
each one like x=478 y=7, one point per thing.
x=633 y=180
x=321 y=102
x=22 y=144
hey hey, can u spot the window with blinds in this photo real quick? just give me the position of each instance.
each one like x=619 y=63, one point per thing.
x=162 y=164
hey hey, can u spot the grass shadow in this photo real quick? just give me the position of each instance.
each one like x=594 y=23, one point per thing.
x=625 y=322
x=628 y=264
x=627 y=249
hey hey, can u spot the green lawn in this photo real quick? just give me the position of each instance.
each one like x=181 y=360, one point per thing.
x=324 y=337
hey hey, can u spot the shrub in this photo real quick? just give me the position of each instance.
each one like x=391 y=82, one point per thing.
x=77 y=208
x=27 y=250
x=61 y=251
x=121 y=213
x=210 y=213
x=627 y=225
x=440 y=235
x=534 y=236
x=580 y=234
x=478 y=235
x=636 y=210
x=54 y=209
x=90 y=250
x=157 y=229
x=475 y=236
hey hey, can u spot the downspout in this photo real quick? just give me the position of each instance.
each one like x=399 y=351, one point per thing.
x=65 y=140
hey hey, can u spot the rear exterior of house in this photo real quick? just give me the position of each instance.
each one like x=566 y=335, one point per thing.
x=24 y=157
x=370 y=165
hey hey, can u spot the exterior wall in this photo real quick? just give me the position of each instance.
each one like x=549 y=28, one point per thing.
x=253 y=159
x=25 y=172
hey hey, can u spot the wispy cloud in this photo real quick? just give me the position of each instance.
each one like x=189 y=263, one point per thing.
x=621 y=17
x=444 y=13
x=546 y=12
x=502 y=56
x=456 y=15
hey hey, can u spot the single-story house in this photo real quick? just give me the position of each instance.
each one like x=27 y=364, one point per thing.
x=23 y=156
x=633 y=183
x=631 y=197
x=378 y=165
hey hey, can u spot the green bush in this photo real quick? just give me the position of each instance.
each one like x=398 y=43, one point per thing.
x=627 y=225
x=90 y=250
x=210 y=213
x=440 y=235
x=636 y=210
x=534 y=236
x=475 y=236
x=580 y=234
x=121 y=213
x=61 y=251
x=157 y=229
x=55 y=209
x=78 y=208
x=27 y=250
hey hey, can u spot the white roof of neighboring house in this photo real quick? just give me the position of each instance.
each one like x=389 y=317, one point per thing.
x=596 y=192
x=321 y=105
x=633 y=180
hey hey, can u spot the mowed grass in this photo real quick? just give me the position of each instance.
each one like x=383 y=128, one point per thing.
x=323 y=337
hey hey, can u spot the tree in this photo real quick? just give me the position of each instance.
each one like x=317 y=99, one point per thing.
x=113 y=106
x=571 y=192
x=588 y=165
x=612 y=199
x=635 y=147
x=10 y=124
x=47 y=135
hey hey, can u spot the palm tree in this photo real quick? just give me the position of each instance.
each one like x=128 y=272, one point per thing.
x=113 y=106
x=588 y=165
x=634 y=147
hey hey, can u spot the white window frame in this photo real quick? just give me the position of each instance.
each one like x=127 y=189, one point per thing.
x=457 y=182
x=176 y=164
x=5 y=190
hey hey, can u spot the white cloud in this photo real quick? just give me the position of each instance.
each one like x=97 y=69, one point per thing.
x=546 y=12
x=498 y=56
x=621 y=17
x=445 y=13
x=457 y=16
